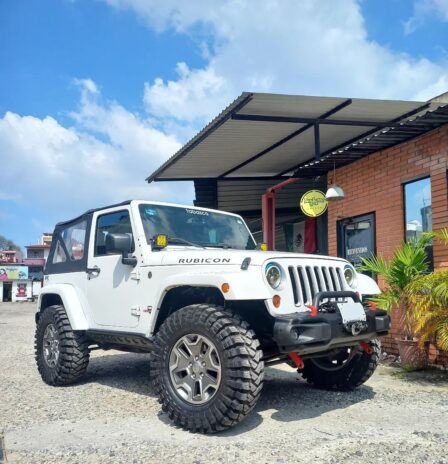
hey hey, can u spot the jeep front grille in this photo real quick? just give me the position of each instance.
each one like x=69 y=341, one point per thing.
x=309 y=280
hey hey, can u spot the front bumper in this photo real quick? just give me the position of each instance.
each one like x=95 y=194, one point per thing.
x=306 y=334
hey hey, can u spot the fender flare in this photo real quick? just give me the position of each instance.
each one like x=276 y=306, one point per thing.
x=71 y=302
x=367 y=286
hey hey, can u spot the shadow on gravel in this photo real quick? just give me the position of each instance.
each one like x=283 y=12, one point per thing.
x=128 y=371
x=284 y=392
x=293 y=399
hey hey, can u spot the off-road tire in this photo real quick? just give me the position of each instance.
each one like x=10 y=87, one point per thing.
x=73 y=349
x=242 y=368
x=357 y=371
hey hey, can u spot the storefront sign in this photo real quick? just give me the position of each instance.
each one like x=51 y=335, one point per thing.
x=21 y=291
x=13 y=272
x=313 y=203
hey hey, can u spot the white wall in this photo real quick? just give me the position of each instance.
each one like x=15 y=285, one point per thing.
x=15 y=287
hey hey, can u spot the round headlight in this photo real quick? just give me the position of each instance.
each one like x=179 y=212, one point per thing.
x=349 y=275
x=273 y=275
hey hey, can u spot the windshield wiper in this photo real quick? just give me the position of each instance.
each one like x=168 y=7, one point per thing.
x=217 y=245
x=182 y=241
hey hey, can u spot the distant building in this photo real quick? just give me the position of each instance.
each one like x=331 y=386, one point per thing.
x=46 y=238
x=15 y=284
x=36 y=257
x=21 y=279
x=10 y=256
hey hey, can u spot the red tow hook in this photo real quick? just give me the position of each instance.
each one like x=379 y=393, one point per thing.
x=298 y=361
x=366 y=347
x=313 y=310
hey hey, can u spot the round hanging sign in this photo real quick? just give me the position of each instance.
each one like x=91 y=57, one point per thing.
x=313 y=203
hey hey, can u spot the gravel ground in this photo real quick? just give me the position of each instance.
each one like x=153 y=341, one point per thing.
x=113 y=416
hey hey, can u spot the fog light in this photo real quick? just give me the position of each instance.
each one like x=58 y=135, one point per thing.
x=225 y=288
x=276 y=301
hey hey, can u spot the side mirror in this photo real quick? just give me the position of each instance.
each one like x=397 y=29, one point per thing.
x=121 y=243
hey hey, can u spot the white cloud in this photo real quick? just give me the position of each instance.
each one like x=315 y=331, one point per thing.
x=287 y=46
x=424 y=9
x=187 y=98
x=104 y=158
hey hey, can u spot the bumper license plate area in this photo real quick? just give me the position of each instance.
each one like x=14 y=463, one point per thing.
x=352 y=312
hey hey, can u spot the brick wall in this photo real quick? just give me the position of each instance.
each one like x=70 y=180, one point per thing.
x=375 y=184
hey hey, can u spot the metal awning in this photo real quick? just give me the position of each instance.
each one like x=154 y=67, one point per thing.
x=275 y=136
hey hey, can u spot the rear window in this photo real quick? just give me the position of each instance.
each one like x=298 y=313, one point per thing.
x=69 y=247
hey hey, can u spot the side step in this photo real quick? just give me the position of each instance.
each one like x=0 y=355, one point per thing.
x=120 y=340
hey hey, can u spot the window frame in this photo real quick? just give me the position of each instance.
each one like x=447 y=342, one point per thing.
x=69 y=265
x=429 y=249
x=403 y=185
x=127 y=210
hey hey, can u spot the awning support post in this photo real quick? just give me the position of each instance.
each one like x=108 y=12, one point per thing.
x=268 y=211
x=316 y=141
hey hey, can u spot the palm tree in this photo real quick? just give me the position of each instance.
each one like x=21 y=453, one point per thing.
x=408 y=262
x=429 y=296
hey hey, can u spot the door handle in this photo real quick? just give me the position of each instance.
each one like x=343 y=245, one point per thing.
x=95 y=270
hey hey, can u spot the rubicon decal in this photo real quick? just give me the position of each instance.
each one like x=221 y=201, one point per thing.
x=204 y=260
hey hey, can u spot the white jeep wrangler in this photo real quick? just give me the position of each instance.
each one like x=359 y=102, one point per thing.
x=189 y=286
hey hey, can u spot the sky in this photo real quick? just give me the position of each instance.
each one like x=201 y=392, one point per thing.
x=96 y=94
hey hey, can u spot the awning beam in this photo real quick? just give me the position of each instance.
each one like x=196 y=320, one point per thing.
x=347 y=143
x=312 y=121
x=294 y=134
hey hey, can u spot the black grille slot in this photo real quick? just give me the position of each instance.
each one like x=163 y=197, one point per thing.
x=304 y=286
x=294 y=284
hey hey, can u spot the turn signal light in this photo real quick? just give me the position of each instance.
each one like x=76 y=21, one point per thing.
x=276 y=301
x=372 y=306
x=225 y=288
x=263 y=246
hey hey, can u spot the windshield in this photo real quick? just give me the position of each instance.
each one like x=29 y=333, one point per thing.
x=204 y=228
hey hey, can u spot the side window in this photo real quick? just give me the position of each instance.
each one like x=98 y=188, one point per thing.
x=59 y=254
x=74 y=238
x=118 y=222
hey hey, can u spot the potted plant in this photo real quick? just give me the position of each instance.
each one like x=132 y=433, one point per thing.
x=408 y=262
x=429 y=297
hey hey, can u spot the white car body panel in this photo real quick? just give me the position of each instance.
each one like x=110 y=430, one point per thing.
x=73 y=301
x=126 y=298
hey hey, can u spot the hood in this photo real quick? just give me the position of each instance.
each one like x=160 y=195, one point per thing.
x=188 y=256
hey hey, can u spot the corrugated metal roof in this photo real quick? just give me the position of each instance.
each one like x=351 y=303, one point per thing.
x=268 y=135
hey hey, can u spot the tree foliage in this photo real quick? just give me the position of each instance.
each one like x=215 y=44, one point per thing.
x=6 y=244
x=429 y=296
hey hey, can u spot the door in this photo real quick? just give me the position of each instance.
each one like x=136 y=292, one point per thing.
x=112 y=287
x=356 y=238
x=7 y=291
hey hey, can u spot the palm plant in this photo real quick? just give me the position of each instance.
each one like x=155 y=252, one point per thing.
x=429 y=296
x=408 y=262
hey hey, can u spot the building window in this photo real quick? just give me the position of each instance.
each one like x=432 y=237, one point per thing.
x=35 y=254
x=418 y=208
x=418 y=211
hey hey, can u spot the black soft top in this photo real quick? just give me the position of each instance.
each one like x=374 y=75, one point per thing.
x=91 y=211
